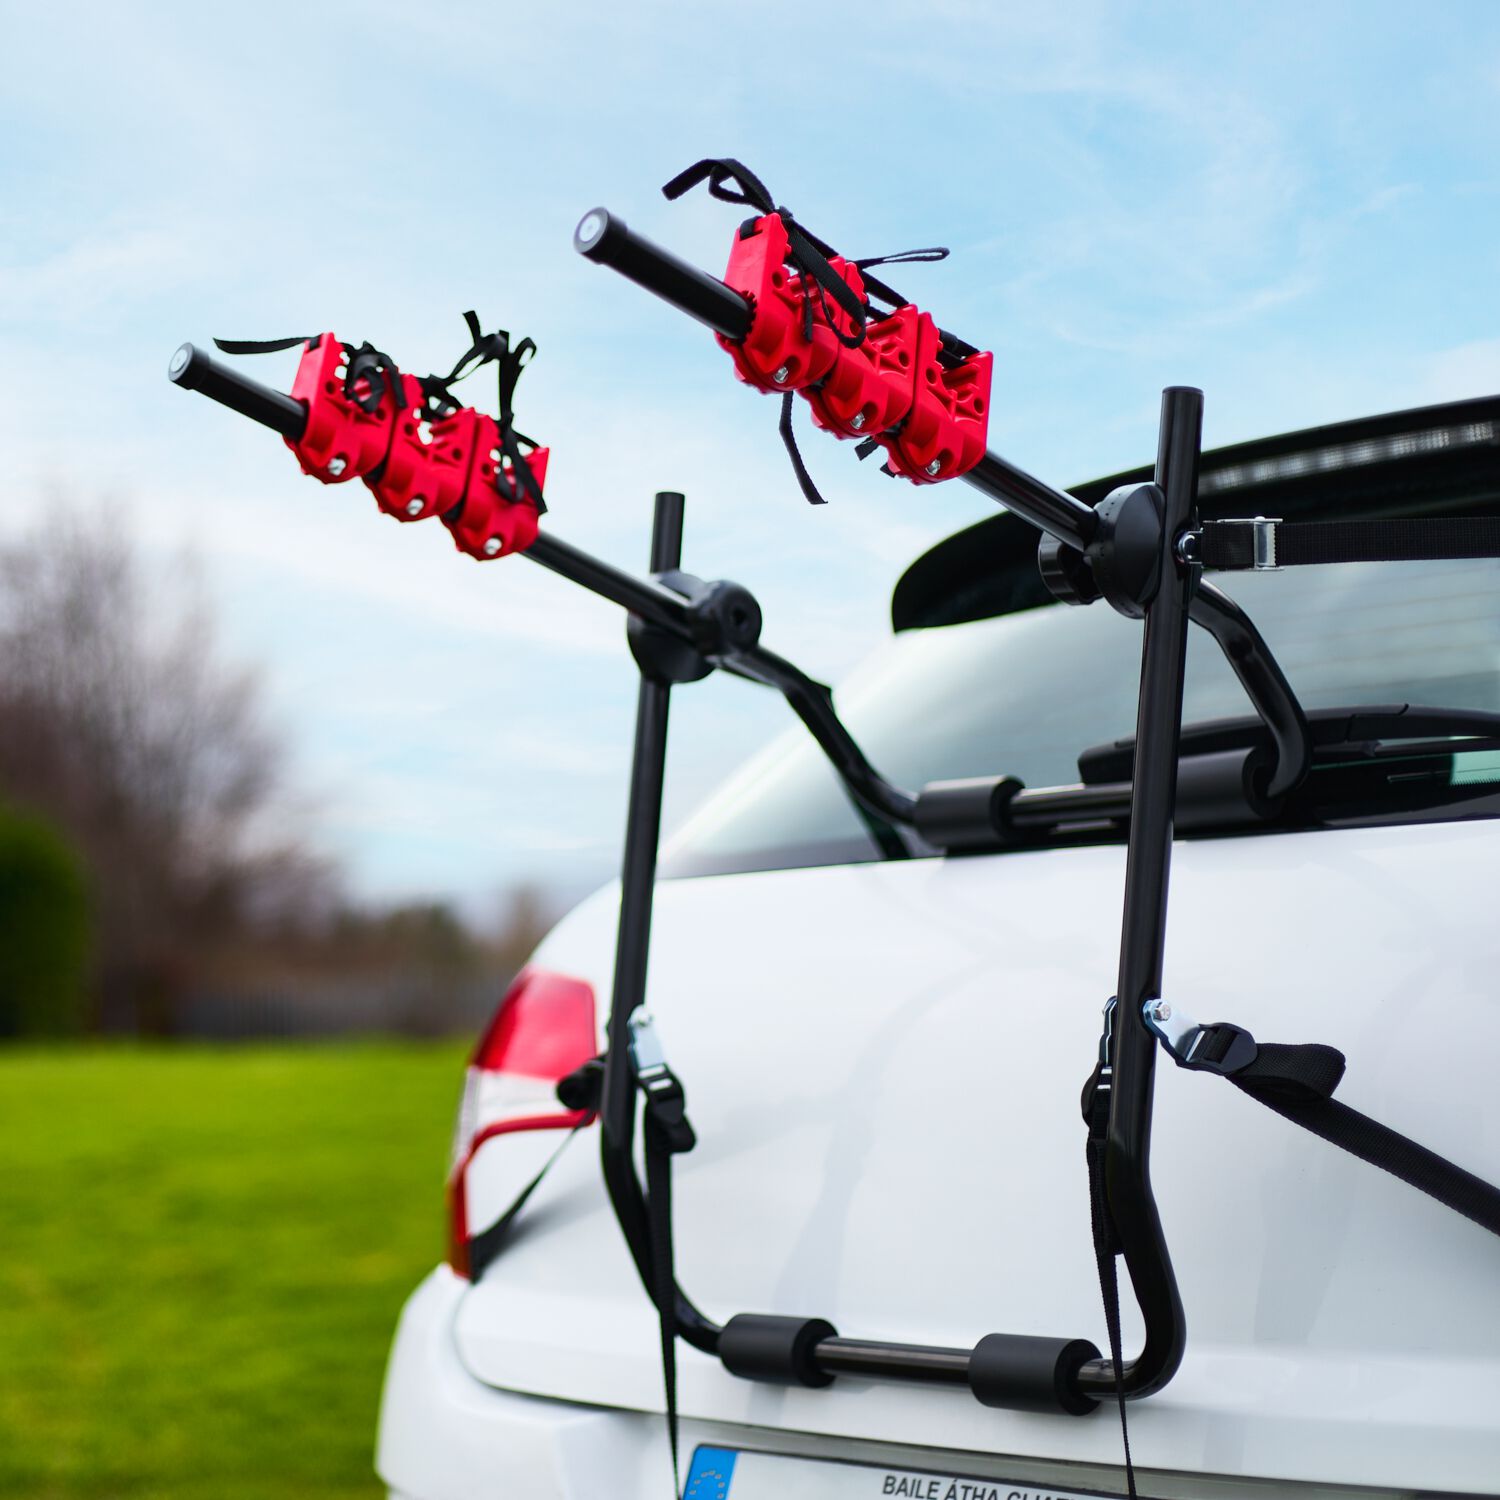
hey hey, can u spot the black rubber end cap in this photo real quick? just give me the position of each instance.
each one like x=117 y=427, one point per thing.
x=185 y=366
x=593 y=229
x=1022 y=1372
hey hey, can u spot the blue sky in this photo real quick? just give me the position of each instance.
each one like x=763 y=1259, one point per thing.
x=1294 y=206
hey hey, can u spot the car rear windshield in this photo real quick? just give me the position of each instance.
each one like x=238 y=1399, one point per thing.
x=1024 y=692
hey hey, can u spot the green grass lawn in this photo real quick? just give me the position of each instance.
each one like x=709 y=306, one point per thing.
x=202 y=1256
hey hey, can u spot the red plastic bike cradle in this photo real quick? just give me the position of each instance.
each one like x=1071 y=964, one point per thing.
x=776 y=354
x=869 y=389
x=947 y=428
x=341 y=441
x=427 y=470
x=489 y=524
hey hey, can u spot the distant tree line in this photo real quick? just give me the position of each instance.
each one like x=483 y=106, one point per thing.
x=151 y=851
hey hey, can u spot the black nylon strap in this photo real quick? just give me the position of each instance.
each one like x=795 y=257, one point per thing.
x=366 y=363
x=494 y=348
x=485 y=1246
x=1106 y=1245
x=377 y=370
x=260 y=346
x=732 y=181
x=1298 y=1081
x=1230 y=545
x=1453 y=1187
x=804 y=479
x=512 y=362
x=658 y=1152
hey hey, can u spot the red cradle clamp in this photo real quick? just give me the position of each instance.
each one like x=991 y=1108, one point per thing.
x=341 y=440
x=869 y=389
x=487 y=524
x=947 y=428
x=776 y=354
x=431 y=458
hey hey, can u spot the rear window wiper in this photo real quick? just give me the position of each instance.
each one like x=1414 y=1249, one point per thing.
x=1360 y=729
x=1363 y=761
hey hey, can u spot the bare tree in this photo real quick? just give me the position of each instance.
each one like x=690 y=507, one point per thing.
x=121 y=721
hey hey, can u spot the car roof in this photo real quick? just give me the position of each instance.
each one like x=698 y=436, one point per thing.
x=1433 y=460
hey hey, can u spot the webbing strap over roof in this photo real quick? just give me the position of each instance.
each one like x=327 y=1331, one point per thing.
x=1263 y=543
x=1298 y=1083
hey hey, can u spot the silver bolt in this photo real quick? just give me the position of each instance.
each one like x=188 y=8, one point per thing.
x=782 y=375
x=1187 y=547
x=336 y=466
x=1158 y=1010
x=415 y=506
x=935 y=467
x=858 y=421
x=493 y=546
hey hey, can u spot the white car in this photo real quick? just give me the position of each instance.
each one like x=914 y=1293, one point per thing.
x=883 y=1055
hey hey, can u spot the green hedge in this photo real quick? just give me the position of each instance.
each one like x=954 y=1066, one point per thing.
x=44 y=930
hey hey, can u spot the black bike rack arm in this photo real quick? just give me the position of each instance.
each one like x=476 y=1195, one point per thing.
x=1148 y=861
x=1264 y=682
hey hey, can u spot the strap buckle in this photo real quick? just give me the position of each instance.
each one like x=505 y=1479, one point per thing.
x=666 y=1100
x=1219 y=1047
x=1097 y=1086
x=1261 y=536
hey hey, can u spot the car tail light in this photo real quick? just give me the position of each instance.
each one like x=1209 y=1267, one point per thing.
x=543 y=1030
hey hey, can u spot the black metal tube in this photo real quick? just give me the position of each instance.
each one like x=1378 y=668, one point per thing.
x=1264 y=683
x=652 y=603
x=194 y=370
x=812 y=702
x=1143 y=929
x=925 y=1363
x=1051 y=806
x=666 y=531
x=1033 y=500
x=604 y=238
x=617 y=1105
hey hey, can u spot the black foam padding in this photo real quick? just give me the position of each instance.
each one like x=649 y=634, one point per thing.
x=762 y=1346
x=1023 y=1372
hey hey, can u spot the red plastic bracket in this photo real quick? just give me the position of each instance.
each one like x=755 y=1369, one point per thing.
x=488 y=525
x=869 y=389
x=776 y=354
x=454 y=467
x=427 y=470
x=932 y=419
x=946 y=429
x=341 y=441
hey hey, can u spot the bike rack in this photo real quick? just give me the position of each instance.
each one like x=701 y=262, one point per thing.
x=1130 y=551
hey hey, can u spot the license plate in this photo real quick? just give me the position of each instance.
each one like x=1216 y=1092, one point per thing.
x=729 y=1474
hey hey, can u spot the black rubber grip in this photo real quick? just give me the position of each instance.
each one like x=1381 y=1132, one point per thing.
x=194 y=370
x=1022 y=1372
x=605 y=238
x=762 y=1346
x=968 y=814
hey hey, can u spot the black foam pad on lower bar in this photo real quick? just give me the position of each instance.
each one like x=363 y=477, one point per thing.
x=762 y=1346
x=1023 y=1372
